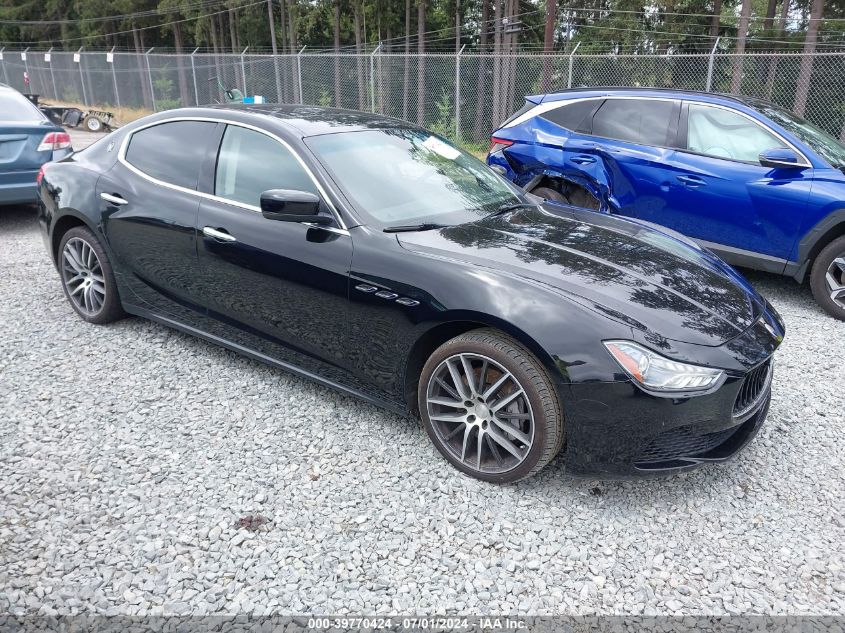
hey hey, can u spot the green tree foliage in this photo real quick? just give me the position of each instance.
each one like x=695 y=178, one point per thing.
x=629 y=26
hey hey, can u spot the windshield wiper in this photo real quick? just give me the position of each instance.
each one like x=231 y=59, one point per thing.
x=407 y=228
x=506 y=208
x=429 y=226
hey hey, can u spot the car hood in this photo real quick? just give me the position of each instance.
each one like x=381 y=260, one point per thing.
x=660 y=284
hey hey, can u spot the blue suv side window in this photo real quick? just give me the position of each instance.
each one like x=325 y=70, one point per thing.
x=576 y=116
x=641 y=121
x=724 y=134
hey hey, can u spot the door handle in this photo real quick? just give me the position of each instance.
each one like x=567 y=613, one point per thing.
x=582 y=160
x=114 y=199
x=217 y=234
x=692 y=181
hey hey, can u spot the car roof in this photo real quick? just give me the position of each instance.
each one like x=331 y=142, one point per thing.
x=664 y=93
x=313 y=120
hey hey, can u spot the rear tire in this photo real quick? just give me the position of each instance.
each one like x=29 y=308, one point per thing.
x=580 y=197
x=575 y=196
x=490 y=407
x=827 y=278
x=87 y=277
x=547 y=193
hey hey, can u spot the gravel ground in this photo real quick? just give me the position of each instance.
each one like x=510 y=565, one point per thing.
x=138 y=466
x=82 y=138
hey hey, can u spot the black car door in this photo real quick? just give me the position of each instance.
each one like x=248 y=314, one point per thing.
x=275 y=287
x=149 y=203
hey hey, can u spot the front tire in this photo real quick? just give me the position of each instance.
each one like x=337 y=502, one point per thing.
x=87 y=277
x=827 y=278
x=490 y=407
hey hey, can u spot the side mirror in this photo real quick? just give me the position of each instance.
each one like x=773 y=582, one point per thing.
x=287 y=205
x=779 y=158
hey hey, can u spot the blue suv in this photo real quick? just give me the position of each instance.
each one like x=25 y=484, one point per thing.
x=745 y=178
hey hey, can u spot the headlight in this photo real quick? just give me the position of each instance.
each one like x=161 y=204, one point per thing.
x=655 y=372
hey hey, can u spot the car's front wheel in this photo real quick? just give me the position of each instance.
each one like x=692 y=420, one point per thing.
x=490 y=407
x=827 y=278
x=87 y=277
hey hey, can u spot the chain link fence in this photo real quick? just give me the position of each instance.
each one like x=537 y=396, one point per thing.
x=463 y=96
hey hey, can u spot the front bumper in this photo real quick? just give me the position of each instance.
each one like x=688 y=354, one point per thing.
x=616 y=430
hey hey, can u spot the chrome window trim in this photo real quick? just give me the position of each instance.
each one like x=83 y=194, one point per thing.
x=542 y=108
x=121 y=157
x=608 y=98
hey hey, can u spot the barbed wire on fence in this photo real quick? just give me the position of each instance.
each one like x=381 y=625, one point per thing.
x=462 y=96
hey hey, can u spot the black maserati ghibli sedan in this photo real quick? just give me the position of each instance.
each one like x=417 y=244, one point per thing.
x=375 y=257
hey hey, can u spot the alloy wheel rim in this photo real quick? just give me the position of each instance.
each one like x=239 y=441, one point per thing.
x=83 y=277
x=480 y=413
x=835 y=279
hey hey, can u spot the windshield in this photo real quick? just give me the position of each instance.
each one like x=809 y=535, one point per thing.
x=820 y=141
x=407 y=176
x=15 y=107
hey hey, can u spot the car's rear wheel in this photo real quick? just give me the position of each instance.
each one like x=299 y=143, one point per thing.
x=580 y=197
x=547 y=193
x=490 y=407
x=87 y=277
x=827 y=278
x=574 y=195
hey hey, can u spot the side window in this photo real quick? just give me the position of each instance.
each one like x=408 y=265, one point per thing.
x=574 y=116
x=643 y=121
x=250 y=163
x=725 y=134
x=172 y=152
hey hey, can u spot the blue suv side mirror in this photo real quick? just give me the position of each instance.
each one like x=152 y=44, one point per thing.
x=779 y=158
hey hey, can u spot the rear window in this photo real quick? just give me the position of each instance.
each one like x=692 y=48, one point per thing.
x=171 y=152
x=15 y=107
x=642 y=121
x=574 y=116
x=525 y=108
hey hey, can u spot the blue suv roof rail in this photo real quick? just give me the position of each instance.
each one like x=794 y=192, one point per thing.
x=612 y=89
